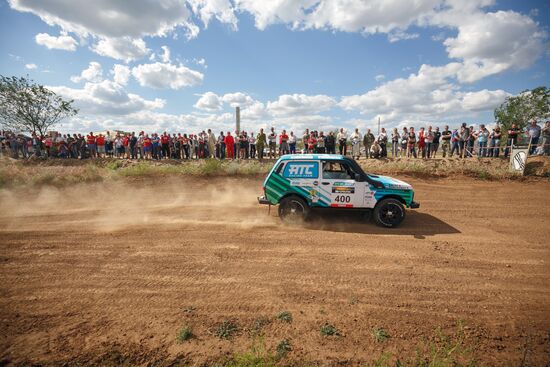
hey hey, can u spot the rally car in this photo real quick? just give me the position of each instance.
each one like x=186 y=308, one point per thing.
x=301 y=183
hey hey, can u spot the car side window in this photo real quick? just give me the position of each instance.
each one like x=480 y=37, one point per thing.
x=336 y=171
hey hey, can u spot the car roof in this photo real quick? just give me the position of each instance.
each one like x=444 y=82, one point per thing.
x=290 y=157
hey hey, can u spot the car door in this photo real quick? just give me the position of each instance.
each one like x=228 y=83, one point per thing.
x=338 y=183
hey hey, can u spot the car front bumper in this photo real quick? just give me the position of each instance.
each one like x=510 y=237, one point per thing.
x=263 y=200
x=414 y=205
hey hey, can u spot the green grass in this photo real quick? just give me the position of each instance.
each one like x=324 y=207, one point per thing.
x=285 y=316
x=257 y=356
x=226 y=330
x=259 y=324
x=454 y=349
x=283 y=348
x=380 y=335
x=184 y=334
x=329 y=330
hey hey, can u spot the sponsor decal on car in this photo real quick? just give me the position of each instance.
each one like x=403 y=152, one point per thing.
x=343 y=190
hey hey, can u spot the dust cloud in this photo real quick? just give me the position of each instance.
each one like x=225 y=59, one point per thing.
x=118 y=205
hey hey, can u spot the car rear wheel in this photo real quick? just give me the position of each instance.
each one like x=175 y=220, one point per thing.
x=389 y=213
x=293 y=210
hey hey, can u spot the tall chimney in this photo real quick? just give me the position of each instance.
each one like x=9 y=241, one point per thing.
x=238 y=117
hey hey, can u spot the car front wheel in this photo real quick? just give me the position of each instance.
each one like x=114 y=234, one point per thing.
x=293 y=210
x=389 y=213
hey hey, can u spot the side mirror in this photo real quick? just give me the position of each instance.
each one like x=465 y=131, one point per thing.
x=358 y=178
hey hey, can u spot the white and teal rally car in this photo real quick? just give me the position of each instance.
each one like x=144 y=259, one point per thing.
x=300 y=183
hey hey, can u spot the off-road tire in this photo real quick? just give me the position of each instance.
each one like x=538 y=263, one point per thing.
x=389 y=213
x=293 y=210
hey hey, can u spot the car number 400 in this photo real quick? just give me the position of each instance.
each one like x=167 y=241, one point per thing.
x=342 y=199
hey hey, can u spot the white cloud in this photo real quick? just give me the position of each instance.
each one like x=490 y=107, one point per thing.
x=165 y=57
x=112 y=19
x=427 y=95
x=63 y=42
x=483 y=100
x=93 y=73
x=300 y=104
x=125 y=48
x=380 y=77
x=106 y=98
x=400 y=35
x=222 y=10
x=238 y=99
x=31 y=66
x=489 y=43
x=201 y=62
x=209 y=101
x=121 y=74
x=164 y=75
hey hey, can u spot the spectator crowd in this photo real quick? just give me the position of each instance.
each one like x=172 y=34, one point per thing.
x=425 y=143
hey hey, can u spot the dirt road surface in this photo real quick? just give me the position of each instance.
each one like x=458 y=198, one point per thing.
x=107 y=274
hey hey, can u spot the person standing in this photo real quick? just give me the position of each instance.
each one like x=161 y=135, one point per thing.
x=342 y=138
x=260 y=144
x=147 y=147
x=330 y=143
x=368 y=140
x=533 y=132
x=422 y=143
x=100 y=142
x=229 y=144
x=496 y=136
x=411 y=148
x=211 y=144
x=283 y=143
x=395 y=143
x=482 y=139
x=292 y=143
x=305 y=139
x=435 y=142
x=446 y=141
x=321 y=143
x=252 y=146
x=272 y=138
x=109 y=146
x=91 y=142
x=355 y=138
x=545 y=133
x=383 y=141
x=464 y=135
x=165 y=145
x=429 y=138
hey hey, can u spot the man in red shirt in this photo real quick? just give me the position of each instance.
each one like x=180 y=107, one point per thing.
x=90 y=141
x=147 y=146
x=100 y=142
x=283 y=143
x=229 y=144
x=165 y=143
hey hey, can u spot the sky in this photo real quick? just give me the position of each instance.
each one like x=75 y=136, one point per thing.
x=184 y=65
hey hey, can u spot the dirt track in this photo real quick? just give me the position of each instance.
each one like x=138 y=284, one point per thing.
x=106 y=274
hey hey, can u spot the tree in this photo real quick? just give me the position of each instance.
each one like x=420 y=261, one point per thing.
x=527 y=106
x=28 y=106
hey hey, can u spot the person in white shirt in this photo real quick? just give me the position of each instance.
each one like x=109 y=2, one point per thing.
x=356 y=139
x=252 y=146
x=272 y=139
x=292 y=143
x=342 y=138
